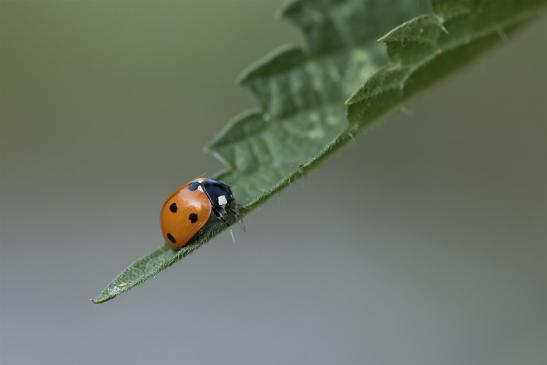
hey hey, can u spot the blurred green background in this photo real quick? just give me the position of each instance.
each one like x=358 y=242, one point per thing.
x=424 y=242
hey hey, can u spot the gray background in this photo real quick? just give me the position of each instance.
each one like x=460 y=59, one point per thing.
x=424 y=242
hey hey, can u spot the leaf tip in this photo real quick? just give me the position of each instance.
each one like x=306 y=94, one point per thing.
x=101 y=299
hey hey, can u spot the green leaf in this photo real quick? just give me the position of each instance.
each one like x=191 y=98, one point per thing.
x=301 y=91
x=430 y=47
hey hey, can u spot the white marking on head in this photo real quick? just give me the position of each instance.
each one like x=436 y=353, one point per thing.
x=222 y=200
x=200 y=188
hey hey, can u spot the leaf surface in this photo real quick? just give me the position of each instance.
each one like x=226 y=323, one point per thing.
x=431 y=47
x=301 y=92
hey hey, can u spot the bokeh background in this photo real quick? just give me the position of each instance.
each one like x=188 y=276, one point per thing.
x=424 y=242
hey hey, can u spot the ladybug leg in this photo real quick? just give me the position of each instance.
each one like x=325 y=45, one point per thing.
x=242 y=224
x=221 y=217
x=234 y=210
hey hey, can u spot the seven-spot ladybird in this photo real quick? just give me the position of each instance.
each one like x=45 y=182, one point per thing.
x=188 y=209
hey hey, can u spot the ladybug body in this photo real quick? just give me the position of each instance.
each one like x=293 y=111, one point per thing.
x=186 y=212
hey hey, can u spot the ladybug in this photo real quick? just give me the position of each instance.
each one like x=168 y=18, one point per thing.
x=188 y=210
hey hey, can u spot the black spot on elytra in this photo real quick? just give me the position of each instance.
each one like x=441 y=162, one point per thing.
x=193 y=186
x=173 y=207
x=193 y=217
x=171 y=238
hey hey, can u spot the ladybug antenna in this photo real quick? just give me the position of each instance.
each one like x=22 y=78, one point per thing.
x=242 y=224
x=232 y=235
x=235 y=211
